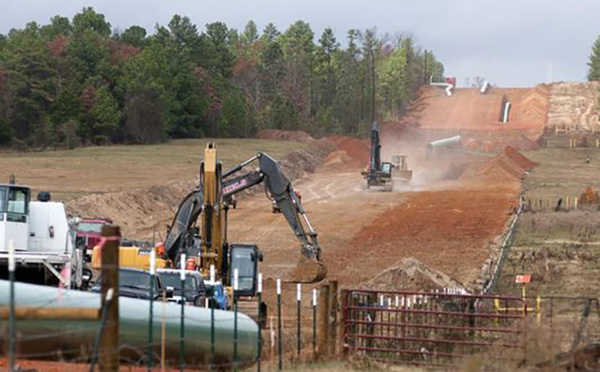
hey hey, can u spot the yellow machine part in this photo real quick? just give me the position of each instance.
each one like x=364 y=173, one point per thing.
x=132 y=257
x=213 y=214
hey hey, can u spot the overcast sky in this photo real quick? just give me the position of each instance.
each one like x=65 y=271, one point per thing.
x=509 y=42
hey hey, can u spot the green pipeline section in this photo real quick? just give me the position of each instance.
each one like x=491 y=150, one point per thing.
x=74 y=339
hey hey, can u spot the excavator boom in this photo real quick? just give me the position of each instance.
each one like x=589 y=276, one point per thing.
x=211 y=204
x=311 y=268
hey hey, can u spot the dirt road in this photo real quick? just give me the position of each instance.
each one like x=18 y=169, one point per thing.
x=448 y=224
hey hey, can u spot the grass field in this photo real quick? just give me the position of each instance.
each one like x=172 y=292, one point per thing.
x=562 y=172
x=70 y=173
x=560 y=249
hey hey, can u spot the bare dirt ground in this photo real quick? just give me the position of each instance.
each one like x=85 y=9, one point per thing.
x=573 y=106
x=467 y=108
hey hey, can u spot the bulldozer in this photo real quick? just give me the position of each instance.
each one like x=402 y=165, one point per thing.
x=382 y=174
x=401 y=170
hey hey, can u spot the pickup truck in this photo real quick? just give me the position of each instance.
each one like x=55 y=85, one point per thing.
x=217 y=295
x=136 y=284
x=194 y=288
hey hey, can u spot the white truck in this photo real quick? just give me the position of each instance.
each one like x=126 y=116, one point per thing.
x=41 y=235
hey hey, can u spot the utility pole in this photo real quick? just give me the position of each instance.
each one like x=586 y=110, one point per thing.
x=109 y=344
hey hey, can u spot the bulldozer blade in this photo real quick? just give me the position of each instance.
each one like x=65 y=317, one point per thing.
x=405 y=175
x=308 y=271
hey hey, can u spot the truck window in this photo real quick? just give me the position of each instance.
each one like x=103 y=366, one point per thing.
x=2 y=199
x=90 y=227
x=173 y=280
x=16 y=207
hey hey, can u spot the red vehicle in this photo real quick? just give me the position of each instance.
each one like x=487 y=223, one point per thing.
x=89 y=232
x=451 y=80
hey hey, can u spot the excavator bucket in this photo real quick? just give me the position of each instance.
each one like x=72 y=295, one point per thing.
x=308 y=271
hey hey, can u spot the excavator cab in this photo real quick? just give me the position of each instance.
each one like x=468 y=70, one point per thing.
x=245 y=258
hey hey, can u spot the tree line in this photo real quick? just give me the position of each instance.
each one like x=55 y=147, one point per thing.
x=78 y=81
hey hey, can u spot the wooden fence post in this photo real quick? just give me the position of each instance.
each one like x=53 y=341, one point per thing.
x=109 y=344
x=333 y=317
x=323 y=350
x=342 y=321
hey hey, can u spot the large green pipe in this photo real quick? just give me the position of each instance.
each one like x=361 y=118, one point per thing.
x=74 y=339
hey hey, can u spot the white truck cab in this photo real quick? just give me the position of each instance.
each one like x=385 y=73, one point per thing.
x=38 y=230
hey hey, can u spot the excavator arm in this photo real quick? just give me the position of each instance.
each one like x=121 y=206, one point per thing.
x=280 y=189
x=180 y=235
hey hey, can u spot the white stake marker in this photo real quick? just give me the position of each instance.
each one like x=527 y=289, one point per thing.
x=182 y=266
x=11 y=257
x=259 y=289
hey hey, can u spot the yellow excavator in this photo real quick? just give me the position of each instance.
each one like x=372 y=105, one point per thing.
x=210 y=204
x=199 y=228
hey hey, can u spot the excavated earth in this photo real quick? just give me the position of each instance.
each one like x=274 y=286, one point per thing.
x=439 y=230
x=448 y=217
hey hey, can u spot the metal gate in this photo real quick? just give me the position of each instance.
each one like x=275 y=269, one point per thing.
x=436 y=329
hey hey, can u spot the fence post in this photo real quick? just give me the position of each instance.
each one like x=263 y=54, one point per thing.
x=235 y=319
x=299 y=325
x=151 y=313
x=333 y=317
x=259 y=293
x=342 y=320
x=314 y=327
x=279 y=327
x=182 y=325
x=213 y=354
x=11 y=322
x=213 y=303
x=109 y=343
x=324 y=322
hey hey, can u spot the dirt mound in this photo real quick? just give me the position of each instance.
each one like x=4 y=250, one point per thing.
x=523 y=143
x=411 y=274
x=355 y=148
x=140 y=212
x=299 y=163
x=285 y=135
x=506 y=165
x=336 y=158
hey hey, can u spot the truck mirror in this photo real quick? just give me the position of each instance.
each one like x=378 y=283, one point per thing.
x=170 y=291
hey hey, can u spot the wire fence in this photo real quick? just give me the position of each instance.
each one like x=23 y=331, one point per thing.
x=162 y=334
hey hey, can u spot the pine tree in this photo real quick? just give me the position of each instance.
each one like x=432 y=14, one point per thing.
x=594 y=63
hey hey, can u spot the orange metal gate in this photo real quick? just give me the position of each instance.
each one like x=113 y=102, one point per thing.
x=436 y=329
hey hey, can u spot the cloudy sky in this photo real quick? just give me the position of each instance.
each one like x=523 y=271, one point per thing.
x=509 y=42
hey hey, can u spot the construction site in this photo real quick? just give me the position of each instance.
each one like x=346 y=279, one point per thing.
x=462 y=236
